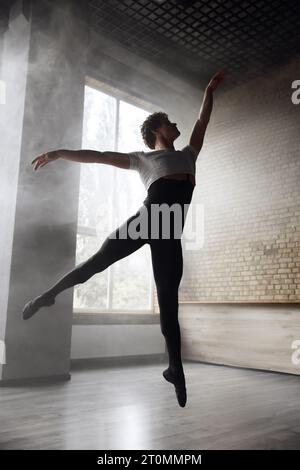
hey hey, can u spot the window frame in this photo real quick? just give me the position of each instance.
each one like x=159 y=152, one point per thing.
x=99 y=315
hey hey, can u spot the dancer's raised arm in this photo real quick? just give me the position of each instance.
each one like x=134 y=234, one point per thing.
x=118 y=159
x=198 y=133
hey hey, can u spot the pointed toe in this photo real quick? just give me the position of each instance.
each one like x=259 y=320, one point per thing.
x=179 y=385
x=28 y=310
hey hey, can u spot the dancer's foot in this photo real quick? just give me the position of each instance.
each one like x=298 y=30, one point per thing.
x=179 y=383
x=34 y=305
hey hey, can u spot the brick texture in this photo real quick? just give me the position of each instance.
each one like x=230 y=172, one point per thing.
x=248 y=175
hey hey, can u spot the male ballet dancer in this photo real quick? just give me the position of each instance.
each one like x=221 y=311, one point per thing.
x=169 y=177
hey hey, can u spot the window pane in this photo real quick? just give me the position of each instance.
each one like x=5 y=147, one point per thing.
x=95 y=194
x=108 y=196
x=131 y=275
x=95 y=179
x=130 y=120
x=98 y=120
x=91 y=294
x=131 y=281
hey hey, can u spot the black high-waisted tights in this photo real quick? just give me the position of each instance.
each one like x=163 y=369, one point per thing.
x=167 y=261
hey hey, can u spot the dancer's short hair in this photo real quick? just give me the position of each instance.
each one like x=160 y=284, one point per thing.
x=151 y=123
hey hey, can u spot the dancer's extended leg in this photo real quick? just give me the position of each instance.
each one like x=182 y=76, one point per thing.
x=112 y=250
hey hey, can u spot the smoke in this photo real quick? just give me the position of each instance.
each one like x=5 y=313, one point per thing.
x=47 y=54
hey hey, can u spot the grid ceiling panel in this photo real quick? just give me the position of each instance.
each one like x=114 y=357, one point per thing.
x=194 y=41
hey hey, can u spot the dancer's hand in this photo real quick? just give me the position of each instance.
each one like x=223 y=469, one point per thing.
x=44 y=158
x=216 y=80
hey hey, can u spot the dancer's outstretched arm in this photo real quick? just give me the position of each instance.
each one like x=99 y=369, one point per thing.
x=118 y=159
x=200 y=126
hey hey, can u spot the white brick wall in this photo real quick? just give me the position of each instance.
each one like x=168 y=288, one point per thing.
x=248 y=176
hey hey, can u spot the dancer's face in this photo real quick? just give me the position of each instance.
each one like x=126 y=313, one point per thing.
x=168 y=131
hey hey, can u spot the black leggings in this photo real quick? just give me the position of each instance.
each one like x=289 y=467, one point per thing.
x=166 y=254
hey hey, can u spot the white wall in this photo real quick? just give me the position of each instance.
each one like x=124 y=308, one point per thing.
x=91 y=341
x=265 y=337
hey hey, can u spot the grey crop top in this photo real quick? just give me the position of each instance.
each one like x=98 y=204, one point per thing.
x=157 y=163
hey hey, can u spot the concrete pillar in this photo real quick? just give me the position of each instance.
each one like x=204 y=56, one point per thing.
x=43 y=220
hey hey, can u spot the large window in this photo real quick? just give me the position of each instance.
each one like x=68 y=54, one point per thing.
x=108 y=196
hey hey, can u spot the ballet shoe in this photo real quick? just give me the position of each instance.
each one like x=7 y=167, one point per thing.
x=179 y=385
x=35 y=304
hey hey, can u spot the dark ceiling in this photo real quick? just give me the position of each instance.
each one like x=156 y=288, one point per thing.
x=194 y=39
x=4 y=12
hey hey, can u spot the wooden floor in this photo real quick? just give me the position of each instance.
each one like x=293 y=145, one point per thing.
x=133 y=407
